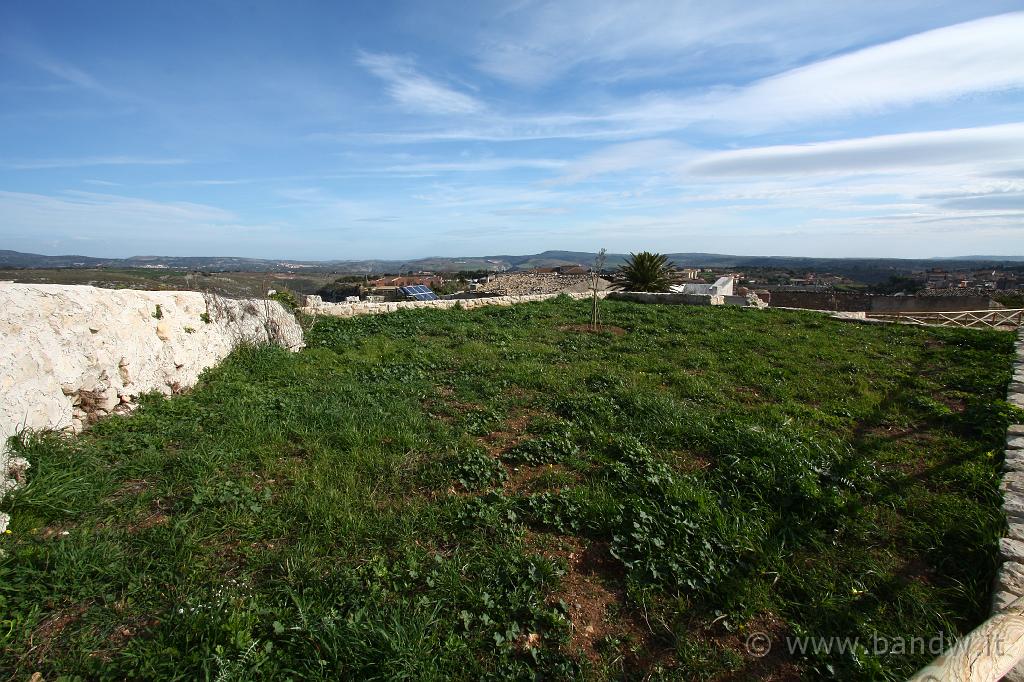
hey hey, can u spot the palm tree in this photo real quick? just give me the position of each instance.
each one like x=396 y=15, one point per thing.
x=646 y=271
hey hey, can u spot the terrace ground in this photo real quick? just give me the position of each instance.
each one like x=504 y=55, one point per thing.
x=498 y=493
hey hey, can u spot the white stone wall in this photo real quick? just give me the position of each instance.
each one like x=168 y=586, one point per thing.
x=316 y=306
x=1009 y=584
x=73 y=354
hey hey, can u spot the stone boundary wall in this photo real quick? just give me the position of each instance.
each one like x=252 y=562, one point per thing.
x=686 y=299
x=316 y=306
x=1009 y=581
x=669 y=299
x=874 y=303
x=70 y=355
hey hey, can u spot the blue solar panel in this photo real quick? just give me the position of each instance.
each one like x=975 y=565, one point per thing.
x=419 y=293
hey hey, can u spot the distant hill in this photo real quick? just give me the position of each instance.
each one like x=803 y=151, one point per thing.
x=860 y=269
x=1004 y=259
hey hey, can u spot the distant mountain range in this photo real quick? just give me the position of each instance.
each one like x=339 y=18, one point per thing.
x=860 y=269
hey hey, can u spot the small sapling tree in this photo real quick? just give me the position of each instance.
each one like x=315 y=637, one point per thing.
x=595 y=276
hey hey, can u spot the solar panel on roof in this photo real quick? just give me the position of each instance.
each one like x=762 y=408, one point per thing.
x=419 y=292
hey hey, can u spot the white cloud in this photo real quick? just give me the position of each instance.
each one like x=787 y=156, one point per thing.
x=986 y=55
x=985 y=145
x=475 y=165
x=42 y=164
x=116 y=221
x=650 y=155
x=967 y=59
x=537 y=42
x=413 y=90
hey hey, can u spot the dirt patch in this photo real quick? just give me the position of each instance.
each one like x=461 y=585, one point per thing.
x=762 y=644
x=689 y=463
x=958 y=405
x=543 y=477
x=131 y=488
x=511 y=432
x=156 y=518
x=747 y=395
x=593 y=593
x=588 y=329
x=46 y=635
x=55 y=531
x=915 y=570
x=121 y=635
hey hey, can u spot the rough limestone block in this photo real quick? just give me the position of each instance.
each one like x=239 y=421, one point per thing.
x=72 y=339
x=1015 y=442
x=1012 y=550
x=1014 y=476
x=1015 y=430
x=1010 y=578
x=1002 y=599
x=1013 y=504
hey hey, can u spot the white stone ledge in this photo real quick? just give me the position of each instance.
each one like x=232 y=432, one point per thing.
x=69 y=354
x=315 y=306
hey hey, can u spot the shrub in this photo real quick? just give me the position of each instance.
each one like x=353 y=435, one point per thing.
x=646 y=271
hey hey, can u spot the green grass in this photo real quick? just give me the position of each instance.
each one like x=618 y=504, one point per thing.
x=484 y=494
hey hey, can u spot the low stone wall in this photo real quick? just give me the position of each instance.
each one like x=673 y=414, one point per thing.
x=874 y=303
x=1009 y=583
x=669 y=299
x=750 y=300
x=533 y=283
x=316 y=306
x=72 y=354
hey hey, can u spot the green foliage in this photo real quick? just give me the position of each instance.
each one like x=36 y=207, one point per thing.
x=286 y=298
x=646 y=271
x=158 y=313
x=546 y=450
x=474 y=469
x=231 y=494
x=898 y=284
x=340 y=513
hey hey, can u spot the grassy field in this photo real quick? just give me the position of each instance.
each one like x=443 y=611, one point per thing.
x=498 y=494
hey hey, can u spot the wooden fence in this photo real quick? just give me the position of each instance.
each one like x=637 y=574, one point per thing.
x=1004 y=318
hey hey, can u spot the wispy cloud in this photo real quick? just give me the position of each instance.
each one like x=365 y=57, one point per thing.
x=475 y=165
x=986 y=55
x=991 y=144
x=106 y=214
x=43 y=60
x=415 y=91
x=966 y=59
x=42 y=164
x=539 y=42
x=650 y=155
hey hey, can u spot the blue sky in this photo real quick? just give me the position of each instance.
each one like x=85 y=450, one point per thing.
x=324 y=130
